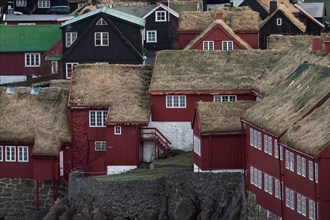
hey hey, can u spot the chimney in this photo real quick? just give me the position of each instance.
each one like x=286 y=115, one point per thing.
x=317 y=44
x=272 y=7
x=326 y=47
x=220 y=16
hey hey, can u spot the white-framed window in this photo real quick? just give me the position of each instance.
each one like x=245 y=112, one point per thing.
x=251 y=137
x=101 y=21
x=310 y=170
x=97 y=118
x=43 y=3
x=268 y=144
x=259 y=143
x=10 y=153
x=281 y=152
x=316 y=172
x=287 y=160
x=298 y=165
x=32 y=59
x=117 y=130
x=175 y=101
x=208 y=45
x=197 y=145
x=224 y=98
x=277 y=188
x=292 y=161
x=160 y=16
x=266 y=182
x=303 y=205
x=21 y=3
x=252 y=175
x=298 y=203
x=227 y=45
x=151 y=36
x=289 y=198
x=54 y=67
x=1 y=153
x=311 y=212
x=275 y=148
x=259 y=179
x=23 y=154
x=100 y=146
x=303 y=166
x=69 y=68
x=101 y=39
x=279 y=21
x=70 y=37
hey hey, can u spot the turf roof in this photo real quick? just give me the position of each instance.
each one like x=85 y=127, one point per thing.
x=266 y=5
x=221 y=116
x=28 y=38
x=40 y=119
x=121 y=88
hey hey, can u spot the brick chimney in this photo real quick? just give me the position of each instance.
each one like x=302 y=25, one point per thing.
x=317 y=44
x=326 y=46
x=272 y=7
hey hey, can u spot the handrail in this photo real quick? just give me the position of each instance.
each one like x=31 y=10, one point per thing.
x=157 y=133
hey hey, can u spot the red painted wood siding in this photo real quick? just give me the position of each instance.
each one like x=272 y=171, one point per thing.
x=196 y=132
x=251 y=38
x=97 y=159
x=46 y=168
x=161 y=113
x=124 y=149
x=186 y=37
x=323 y=185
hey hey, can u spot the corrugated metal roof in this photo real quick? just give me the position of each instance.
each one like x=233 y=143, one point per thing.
x=14 y=38
x=112 y=12
x=314 y=9
x=36 y=17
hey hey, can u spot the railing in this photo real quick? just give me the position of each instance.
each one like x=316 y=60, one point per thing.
x=160 y=140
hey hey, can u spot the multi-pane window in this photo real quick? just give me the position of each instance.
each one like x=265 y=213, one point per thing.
x=303 y=167
x=69 y=68
x=268 y=183
x=289 y=198
x=281 y=152
x=279 y=21
x=100 y=145
x=251 y=137
x=1 y=153
x=117 y=130
x=298 y=165
x=224 y=98
x=101 y=21
x=32 y=59
x=311 y=210
x=259 y=140
x=255 y=139
x=292 y=161
x=10 y=153
x=310 y=170
x=197 y=145
x=54 y=67
x=256 y=177
x=259 y=179
x=21 y=3
x=268 y=144
x=316 y=172
x=151 y=36
x=303 y=205
x=97 y=118
x=175 y=101
x=252 y=175
x=160 y=15
x=44 y=4
x=70 y=37
x=208 y=45
x=275 y=148
x=101 y=39
x=298 y=203
x=227 y=45
x=23 y=153
x=277 y=189
x=287 y=160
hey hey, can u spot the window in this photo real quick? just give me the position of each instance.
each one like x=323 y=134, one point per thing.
x=289 y=198
x=10 y=153
x=275 y=149
x=44 y=4
x=197 y=145
x=101 y=39
x=54 y=67
x=252 y=175
x=97 y=118
x=117 y=130
x=100 y=145
x=101 y=21
x=292 y=161
x=281 y=152
x=287 y=163
x=310 y=170
x=259 y=179
x=175 y=101
x=227 y=45
x=208 y=45
x=298 y=165
x=311 y=210
x=151 y=36
x=69 y=68
x=32 y=59
x=268 y=142
x=279 y=21
x=316 y=172
x=21 y=3
x=268 y=184
x=259 y=140
x=23 y=154
x=255 y=177
x=303 y=205
x=224 y=98
x=277 y=189
x=70 y=37
x=1 y=153
x=303 y=167
x=251 y=137
x=160 y=15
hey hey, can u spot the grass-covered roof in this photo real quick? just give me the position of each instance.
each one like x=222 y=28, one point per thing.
x=121 y=88
x=221 y=116
x=40 y=119
x=236 y=18
x=266 y=5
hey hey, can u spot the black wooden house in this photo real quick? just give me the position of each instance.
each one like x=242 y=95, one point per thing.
x=104 y=35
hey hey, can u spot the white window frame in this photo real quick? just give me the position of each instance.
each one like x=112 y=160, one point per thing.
x=255 y=139
x=281 y=152
x=277 y=188
x=292 y=161
x=69 y=68
x=303 y=205
x=266 y=182
x=251 y=175
x=70 y=37
x=21 y=3
x=23 y=154
x=311 y=210
x=227 y=45
x=151 y=36
x=310 y=170
x=276 y=149
x=32 y=60
x=100 y=146
x=260 y=179
x=259 y=142
x=270 y=184
x=12 y=153
x=43 y=3
x=101 y=39
x=279 y=21
x=197 y=145
x=160 y=16
x=117 y=130
x=316 y=172
x=224 y=98
x=298 y=165
x=303 y=166
x=181 y=101
x=101 y=21
x=208 y=45
x=1 y=153
x=251 y=137
x=292 y=199
x=97 y=118
x=255 y=177
x=298 y=203
x=54 y=67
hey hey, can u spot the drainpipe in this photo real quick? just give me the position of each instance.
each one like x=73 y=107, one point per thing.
x=315 y=192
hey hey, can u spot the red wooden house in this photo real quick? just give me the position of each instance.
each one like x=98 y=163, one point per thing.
x=282 y=176
x=34 y=133
x=217 y=139
x=243 y=21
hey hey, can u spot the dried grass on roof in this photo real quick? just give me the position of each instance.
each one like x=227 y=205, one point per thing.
x=285 y=42
x=123 y=88
x=40 y=119
x=237 y=19
x=61 y=83
x=312 y=133
x=221 y=116
x=292 y=18
x=266 y=4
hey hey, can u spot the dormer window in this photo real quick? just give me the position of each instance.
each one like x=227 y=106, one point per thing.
x=160 y=15
x=279 y=21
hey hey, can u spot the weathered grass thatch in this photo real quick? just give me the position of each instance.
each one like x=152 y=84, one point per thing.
x=266 y=5
x=221 y=116
x=225 y=27
x=237 y=19
x=194 y=70
x=122 y=88
x=40 y=119
x=312 y=133
x=61 y=83
x=291 y=99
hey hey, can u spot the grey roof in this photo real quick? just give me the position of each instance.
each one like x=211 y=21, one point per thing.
x=314 y=9
x=37 y=17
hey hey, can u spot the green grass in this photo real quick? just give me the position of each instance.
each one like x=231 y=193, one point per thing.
x=185 y=159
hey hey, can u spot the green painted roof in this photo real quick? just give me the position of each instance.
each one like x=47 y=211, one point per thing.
x=15 y=38
x=112 y=12
x=53 y=58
